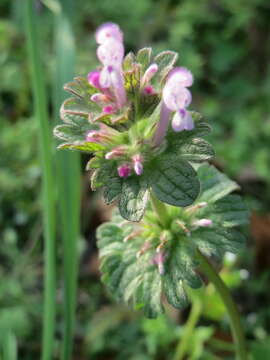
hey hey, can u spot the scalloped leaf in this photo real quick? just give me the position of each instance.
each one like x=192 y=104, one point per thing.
x=129 y=61
x=215 y=185
x=143 y=57
x=79 y=106
x=174 y=181
x=80 y=87
x=217 y=240
x=133 y=198
x=229 y=211
x=165 y=61
x=88 y=147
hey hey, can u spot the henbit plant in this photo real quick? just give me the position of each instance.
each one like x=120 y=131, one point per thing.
x=121 y=114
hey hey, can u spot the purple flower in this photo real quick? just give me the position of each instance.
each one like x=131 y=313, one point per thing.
x=175 y=98
x=111 y=53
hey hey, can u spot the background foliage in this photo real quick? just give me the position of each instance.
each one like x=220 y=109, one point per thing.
x=226 y=44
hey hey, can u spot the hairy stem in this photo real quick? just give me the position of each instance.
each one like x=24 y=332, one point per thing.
x=237 y=331
x=160 y=210
x=193 y=318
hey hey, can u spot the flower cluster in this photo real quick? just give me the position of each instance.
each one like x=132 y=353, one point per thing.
x=121 y=112
x=112 y=96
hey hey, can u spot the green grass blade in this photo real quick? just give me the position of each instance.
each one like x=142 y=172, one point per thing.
x=46 y=145
x=69 y=175
x=9 y=346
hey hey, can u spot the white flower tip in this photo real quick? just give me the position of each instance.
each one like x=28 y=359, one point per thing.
x=182 y=76
x=108 y=31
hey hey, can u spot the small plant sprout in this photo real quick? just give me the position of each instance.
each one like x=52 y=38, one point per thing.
x=133 y=116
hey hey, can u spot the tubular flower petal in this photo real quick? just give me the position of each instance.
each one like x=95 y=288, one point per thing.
x=116 y=152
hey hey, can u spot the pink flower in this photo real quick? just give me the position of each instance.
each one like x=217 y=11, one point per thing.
x=93 y=79
x=149 y=73
x=115 y=153
x=175 y=98
x=124 y=170
x=104 y=135
x=111 y=53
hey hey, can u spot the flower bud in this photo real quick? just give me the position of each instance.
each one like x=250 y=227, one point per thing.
x=149 y=73
x=93 y=79
x=124 y=170
x=203 y=222
x=137 y=164
x=116 y=153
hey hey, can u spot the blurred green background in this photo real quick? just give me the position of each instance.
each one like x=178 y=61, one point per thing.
x=226 y=44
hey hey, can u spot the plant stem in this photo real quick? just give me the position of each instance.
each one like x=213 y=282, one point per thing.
x=222 y=289
x=48 y=185
x=160 y=209
x=189 y=327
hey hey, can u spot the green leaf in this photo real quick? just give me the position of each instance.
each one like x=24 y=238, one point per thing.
x=165 y=61
x=108 y=232
x=196 y=150
x=228 y=212
x=151 y=294
x=79 y=106
x=112 y=189
x=217 y=240
x=129 y=61
x=174 y=291
x=80 y=87
x=70 y=133
x=214 y=184
x=102 y=177
x=143 y=57
x=174 y=181
x=133 y=198
x=86 y=146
